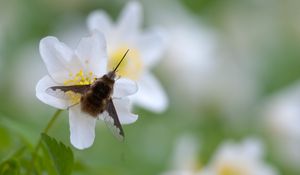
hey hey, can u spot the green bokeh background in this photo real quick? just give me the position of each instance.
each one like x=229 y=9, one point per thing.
x=150 y=141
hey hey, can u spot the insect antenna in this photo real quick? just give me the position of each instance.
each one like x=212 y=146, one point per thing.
x=121 y=61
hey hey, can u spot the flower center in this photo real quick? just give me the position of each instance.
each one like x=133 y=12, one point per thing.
x=80 y=78
x=131 y=67
x=231 y=170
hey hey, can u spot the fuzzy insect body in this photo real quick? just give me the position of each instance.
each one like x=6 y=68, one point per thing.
x=94 y=101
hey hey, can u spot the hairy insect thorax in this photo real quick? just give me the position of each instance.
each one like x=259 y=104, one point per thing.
x=95 y=100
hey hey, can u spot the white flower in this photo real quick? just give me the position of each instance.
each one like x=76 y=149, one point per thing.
x=184 y=160
x=76 y=67
x=145 y=51
x=239 y=159
x=282 y=118
x=206 y=71
x=191 y=47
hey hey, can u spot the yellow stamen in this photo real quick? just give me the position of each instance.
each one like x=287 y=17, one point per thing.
x=131 y=67
x=80 y=78
x=73 y=97
x=232 y=170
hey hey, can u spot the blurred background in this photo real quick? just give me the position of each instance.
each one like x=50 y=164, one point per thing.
x=231 y=70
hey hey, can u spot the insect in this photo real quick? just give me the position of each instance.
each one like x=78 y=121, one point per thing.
x=96 y=98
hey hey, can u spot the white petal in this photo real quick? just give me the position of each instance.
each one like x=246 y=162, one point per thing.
x=82 y=128
x=41 y=94
x=123 y=108
x=99 y=20
x=124 y=87
x=130 y=20
x=57 y=58
x=150 y=94
x=92 y=53
x=253 y=148
x=151 y=46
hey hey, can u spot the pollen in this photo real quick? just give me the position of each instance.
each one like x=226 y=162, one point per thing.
x=74 y=98
x=228 y=169
x=131 y=67
x=80 y=78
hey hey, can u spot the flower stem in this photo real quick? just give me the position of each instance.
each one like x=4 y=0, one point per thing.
x=51 y=122
x=45 y=131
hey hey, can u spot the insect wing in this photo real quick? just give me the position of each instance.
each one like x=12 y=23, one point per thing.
x=61 y=91
x=111 y=120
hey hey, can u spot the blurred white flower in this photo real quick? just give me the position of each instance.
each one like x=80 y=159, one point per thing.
x=184 y=160
x=145 y=51
x=201 y=63
x=282 y=119
x=77 y=67
x=191 y=46
x=239 y=159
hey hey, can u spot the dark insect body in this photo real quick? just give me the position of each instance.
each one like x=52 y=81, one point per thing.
x=96 y=99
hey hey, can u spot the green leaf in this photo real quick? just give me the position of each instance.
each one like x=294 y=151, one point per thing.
x=61 y=155
x=47 y=163
x=10 y=167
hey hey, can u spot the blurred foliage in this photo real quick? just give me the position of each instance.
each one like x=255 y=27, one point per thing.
x=150 y=141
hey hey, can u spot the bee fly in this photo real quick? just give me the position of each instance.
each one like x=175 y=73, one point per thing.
x=96 y=98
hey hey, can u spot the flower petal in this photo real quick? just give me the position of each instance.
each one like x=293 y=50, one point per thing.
x=124 y=87
x=92 y=53
x=82 y=128
x=57 y=58
x=130 y=20
x=123 y=108
x=41 y=94
x=150 y=94
x=99 y=20
x=151 y=45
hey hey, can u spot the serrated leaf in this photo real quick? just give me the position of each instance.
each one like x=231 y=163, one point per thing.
x=47 y=162
x=61 y=155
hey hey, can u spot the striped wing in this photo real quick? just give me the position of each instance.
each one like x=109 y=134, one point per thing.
x=111 y=120
x=68 y=92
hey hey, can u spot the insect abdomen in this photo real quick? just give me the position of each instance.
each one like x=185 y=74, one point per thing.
x=95 y=100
